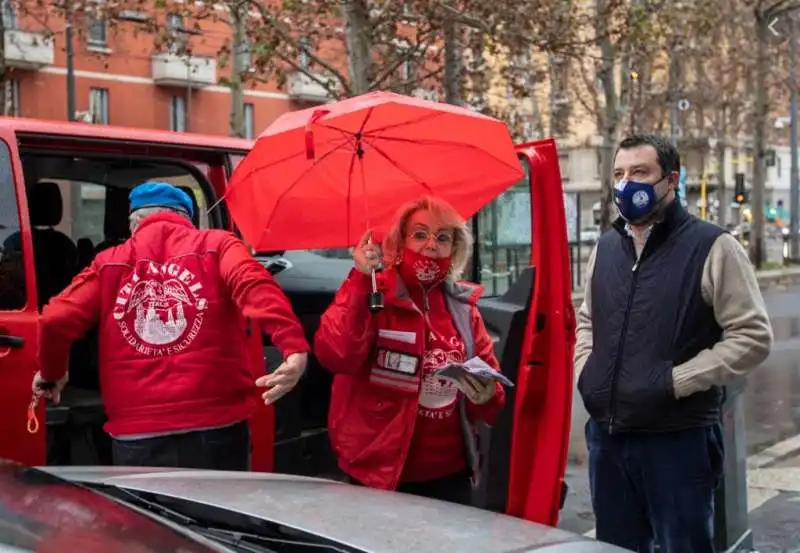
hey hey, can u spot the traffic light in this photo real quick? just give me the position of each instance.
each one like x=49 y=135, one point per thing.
x=771 y=158
x=739 y=194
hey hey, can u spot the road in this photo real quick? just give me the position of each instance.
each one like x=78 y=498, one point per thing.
x=772 y=422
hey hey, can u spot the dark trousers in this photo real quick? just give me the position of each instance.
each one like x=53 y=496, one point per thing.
x=456 y=488
x=225 y=448
x=655 y=488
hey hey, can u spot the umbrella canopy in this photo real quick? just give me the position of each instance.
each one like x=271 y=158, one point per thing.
x=318 y=178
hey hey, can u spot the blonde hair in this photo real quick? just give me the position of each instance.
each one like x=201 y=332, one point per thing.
x=394 y=241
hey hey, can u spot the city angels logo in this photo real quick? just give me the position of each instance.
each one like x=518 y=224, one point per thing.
x=159 y=310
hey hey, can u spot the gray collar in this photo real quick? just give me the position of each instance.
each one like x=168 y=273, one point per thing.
x=456 y=290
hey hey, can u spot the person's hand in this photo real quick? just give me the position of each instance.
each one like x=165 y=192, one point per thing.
x=476 y=391
x=367 y=255
x=50 y=390
x=281 y=381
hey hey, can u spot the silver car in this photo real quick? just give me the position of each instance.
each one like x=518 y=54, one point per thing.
x=120 y=509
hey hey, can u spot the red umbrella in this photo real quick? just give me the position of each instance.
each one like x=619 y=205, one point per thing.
x=318 y=178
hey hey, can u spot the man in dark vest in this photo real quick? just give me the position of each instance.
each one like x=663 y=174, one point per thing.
x=672 y=311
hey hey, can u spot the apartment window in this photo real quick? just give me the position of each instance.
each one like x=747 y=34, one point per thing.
x=408 y=69
x=97 y=34
x=177 y=114
x=249 y=121
x=9 y=15
x=12 y=98
x=98 y=105
x=304 y=59
x=177 y=33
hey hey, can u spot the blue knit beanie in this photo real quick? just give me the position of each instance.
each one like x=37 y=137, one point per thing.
x=160 y=194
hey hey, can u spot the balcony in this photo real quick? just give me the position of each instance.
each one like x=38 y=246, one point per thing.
x=302 y=88
x=28 y=50
x=184 y=71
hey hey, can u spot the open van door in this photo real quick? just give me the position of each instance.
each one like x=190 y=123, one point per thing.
x=262 y=423
x=522 y=259
x=18 y=314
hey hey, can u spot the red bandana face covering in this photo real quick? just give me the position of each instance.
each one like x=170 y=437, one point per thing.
x=418 y=269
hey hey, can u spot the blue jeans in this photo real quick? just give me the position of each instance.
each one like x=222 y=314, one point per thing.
x=655 y=488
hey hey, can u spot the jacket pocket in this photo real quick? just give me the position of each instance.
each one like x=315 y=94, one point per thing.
x=644 y=395
x=594 y=386
x=372 y=427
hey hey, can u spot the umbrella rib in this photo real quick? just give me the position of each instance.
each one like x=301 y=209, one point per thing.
x=349 y=187
x=295 y=183
x=348 y=134
x=401 y=168
x=366 y=120
x=428 y=141
x=351 y=134
x=359 y=153
x=420 y=119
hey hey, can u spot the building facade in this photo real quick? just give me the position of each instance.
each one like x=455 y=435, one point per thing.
x=120 y=80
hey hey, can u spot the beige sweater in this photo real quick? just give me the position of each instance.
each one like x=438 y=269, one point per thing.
x=730 y=287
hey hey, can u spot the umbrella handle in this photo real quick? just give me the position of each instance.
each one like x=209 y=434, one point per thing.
x=375 y=297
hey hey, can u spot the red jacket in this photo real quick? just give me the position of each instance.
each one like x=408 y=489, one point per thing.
x=168 y=303
x=374 y=407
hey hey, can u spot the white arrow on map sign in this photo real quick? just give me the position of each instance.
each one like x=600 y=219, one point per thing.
x=771 y=27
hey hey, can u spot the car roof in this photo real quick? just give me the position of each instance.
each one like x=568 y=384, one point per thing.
x=110 y=132
x=370 y=520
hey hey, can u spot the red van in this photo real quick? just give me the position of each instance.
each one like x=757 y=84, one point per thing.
x=63 y=198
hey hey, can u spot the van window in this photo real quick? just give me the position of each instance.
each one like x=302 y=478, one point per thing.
x=78 y=207
x=503 y=233
x=93 y=192
x=12 y=268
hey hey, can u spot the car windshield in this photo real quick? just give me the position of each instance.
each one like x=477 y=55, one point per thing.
x=230 y=529
x=40 y=512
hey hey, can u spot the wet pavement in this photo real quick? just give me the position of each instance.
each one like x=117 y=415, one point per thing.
x=772 y=422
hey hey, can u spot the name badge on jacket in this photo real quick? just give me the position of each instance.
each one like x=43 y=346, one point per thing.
x=397 y=363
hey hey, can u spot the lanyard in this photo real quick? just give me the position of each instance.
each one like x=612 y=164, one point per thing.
x=33 y=421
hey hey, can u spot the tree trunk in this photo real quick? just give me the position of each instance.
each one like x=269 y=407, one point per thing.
x=760 y=123
x=673 y=88
x=610 y=115
x=357 y=37
x=6 y=97
x=237 y=90
x=722 y=139
x=453 y=64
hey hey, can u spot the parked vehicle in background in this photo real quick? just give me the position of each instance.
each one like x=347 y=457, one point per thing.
x=590 y=235
x=64 y=197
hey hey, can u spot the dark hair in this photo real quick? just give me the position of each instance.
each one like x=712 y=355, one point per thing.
x=668 y=157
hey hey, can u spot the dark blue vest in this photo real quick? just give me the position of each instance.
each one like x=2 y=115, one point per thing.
x=647 y=317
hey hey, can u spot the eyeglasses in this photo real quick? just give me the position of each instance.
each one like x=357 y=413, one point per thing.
x=441 y=238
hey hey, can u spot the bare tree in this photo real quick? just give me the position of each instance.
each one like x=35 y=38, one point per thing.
x=766 y=13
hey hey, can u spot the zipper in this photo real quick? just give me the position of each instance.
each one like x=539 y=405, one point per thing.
x=612 y=403
x=425 y=322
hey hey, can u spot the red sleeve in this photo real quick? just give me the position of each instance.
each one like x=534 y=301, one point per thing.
x=346 y=333
x=66 y=318
x=484 y=348
x=260 y=298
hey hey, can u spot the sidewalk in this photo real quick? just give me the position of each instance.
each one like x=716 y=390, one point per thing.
x=773 y=499
x=777 y=279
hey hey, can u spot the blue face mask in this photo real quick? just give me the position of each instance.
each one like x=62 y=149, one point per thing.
x=636 y=200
